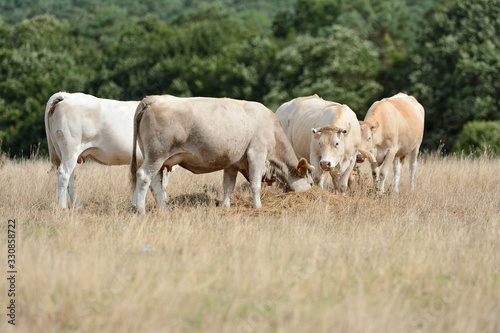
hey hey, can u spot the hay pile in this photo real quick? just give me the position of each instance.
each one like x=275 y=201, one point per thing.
x=274 y=201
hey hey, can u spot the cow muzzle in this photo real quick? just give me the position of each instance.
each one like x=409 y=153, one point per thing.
x=325 y=165
x=359 y=158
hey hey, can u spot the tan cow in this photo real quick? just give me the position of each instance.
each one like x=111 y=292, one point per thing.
x=204 y=135
x=393 y=129
x=324 y=132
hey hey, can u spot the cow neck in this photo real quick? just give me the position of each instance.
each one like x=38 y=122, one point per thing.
x=284 y=171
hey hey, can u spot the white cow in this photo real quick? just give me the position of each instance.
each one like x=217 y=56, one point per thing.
x=80 y=126
x=393 y=128
x=324 y=132
x=205 y=135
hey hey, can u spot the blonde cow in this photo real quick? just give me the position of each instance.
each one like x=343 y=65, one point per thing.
x=80 y=126
x=326 y=133
x=205 y=135
x=392 y=130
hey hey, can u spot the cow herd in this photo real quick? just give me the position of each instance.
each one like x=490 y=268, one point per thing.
x=307 y=138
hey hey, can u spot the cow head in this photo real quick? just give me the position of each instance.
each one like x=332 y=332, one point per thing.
x=301 y=180
x=367 y=146
x=329 y=142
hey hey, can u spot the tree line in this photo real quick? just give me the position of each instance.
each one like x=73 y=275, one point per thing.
x=445 y=53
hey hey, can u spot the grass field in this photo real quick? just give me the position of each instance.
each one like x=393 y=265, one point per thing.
x=426 y=261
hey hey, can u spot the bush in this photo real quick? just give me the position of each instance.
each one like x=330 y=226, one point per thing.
x=478 y=136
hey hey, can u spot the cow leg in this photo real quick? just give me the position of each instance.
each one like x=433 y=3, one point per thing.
x=71 y=190
x=335 y=181
x=145 y=175
x=228 y=184
x=157 y=189
x=397 y=173
x=64 y=173
x=384 y=169
x=164 y=183
x=318 y=174
x=376 y=175
x=344 y=177
x=413 y=167
x=256 y=165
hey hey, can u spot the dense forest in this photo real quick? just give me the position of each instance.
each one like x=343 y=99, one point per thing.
x=445 y=53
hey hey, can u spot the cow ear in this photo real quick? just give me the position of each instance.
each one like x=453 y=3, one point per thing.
x=302 y=166
x=315 y=133
x=311 y=169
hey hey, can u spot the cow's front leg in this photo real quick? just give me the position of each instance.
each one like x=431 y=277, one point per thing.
x=384 y=169
x=335 y=180
x=257 y=161
x=318 y=173
x=344 y=177
x=228 y=184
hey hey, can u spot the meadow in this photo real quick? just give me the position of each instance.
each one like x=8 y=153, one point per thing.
x=421 y=261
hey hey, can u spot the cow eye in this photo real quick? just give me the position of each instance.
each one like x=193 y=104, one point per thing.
x=369 y=138
x=336 y=144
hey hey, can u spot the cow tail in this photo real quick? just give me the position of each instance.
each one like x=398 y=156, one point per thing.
x=55 y=99
x=133 y=164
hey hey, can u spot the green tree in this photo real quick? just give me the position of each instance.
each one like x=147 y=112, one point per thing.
x=478 y=136
x=456 y=73
x=380 y=21
x=32 y=68
x=339 y=67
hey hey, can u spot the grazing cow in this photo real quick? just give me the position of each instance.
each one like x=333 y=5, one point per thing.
x=393 y=129
x=204 y=135
x=326 y=133
x=80 y=126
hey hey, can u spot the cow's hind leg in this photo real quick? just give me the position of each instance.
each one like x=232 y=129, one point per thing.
x=228 y=184
x=413 y=167
x=64 y=174
x=164 y=183
x=145 y=175
x=397 y=173
x=159 y=192
x=71 y=190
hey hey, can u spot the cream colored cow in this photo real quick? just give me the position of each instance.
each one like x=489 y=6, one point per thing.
x=393 y=129
x=80 y=126
x=204 y=135
x=324 y=132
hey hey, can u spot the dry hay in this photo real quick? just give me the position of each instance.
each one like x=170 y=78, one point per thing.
x=275 y=202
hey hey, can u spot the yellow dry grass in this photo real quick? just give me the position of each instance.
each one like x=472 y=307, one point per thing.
x=426 y=261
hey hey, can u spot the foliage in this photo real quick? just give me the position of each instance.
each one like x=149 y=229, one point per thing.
x=478 y=136
x=376 y=20
x=456 y=73
x=339 y=67
x=35 y=64
x=444 y=52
